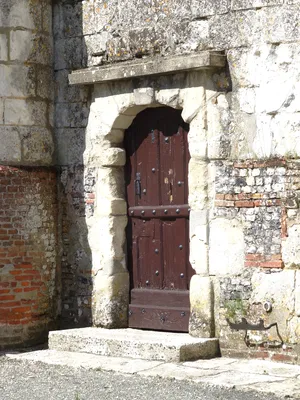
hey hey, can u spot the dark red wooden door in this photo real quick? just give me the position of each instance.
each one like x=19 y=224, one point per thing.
x=158 y=228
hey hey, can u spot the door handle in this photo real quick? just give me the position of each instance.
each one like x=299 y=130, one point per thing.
x=137 y=184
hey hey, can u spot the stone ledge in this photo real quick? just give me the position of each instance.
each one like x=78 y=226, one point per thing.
x=153 y=66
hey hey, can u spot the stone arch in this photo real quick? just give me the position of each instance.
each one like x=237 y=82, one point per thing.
x=113 y=109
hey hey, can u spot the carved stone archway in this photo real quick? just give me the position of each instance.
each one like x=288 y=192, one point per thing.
x=114 y=107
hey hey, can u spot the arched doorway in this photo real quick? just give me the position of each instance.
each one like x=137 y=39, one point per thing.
x=156 y=176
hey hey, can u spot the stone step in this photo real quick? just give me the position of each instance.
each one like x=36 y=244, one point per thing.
x=134 y=343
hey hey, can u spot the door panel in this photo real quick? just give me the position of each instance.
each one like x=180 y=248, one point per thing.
x=157 y=234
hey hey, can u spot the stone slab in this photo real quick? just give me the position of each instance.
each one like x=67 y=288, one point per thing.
x=259 y=375
x=133 y=343
x=154 y=66
x=86 y=361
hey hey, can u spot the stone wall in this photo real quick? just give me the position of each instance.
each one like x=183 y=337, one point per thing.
x=244 y=172
x=26 y=90
x=28 y=206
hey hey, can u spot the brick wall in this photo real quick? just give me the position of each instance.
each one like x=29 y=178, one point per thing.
x=28 y=268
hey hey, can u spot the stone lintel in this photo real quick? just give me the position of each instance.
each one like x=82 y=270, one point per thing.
x=148 y=67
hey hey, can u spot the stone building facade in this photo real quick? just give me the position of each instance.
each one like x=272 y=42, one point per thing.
x=74 y=75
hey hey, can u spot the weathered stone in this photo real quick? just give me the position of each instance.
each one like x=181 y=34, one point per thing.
x=226 y=247
x=11 y=152
x=199 y=242
x=137 y=68
x=278 y=288
x=198 y=173
x=291 y=249
x=25 y=112
x=133 y=343
x=110 y=300
x=143 y=96
x=3 y=47
x=17 y=80
x=201 y=299
x=37 y=146
x=204 y=8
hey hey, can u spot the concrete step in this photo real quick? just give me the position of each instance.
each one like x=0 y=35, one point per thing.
x=134 y=343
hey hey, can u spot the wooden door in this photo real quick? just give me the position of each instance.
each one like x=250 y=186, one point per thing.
x=158 y=228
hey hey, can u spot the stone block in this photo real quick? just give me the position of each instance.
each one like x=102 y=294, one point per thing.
x=96 y=44
x=106 y=207
x=25 y=112
x=201 y=299
x=3 y=47
x=198 y=178
x=72 y=17
x=199 y=38
x=291 y=247
x=68 y=53
x=278 y=288
x=218 y=125
x=115 y=157
x=112 y=182
x=110 y=300
x=44 y=82
x=17 y=81
x=10 y=151
x=234 y=29
x=66 y=93
x=248 y=4
x=47 y=16
x=192 y=98
x=37 y=145
x=226 y=247
x=143 y=96
x=199 y=241
x=133 y=343
x=205 y=8
x=297 y=295
x=112 y=231
x=281 y=23
x=70 y=145
x=21 y=52
x=20 y=13
x=1 y=111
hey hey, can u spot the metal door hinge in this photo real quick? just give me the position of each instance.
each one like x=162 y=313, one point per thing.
x=137 y=184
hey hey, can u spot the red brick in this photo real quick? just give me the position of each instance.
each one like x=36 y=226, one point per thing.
x=7 y=297
x=251 y=264
x=244 y=204
x=272 y=264
x=256 y=256
x=260 y=354
x=283 y=357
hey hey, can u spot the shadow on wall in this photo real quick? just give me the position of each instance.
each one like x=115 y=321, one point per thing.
x=75 y=182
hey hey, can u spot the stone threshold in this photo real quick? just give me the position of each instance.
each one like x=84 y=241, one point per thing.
x=147 y=67
x=134 y=343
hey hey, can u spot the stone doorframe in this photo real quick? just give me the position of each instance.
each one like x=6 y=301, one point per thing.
x=114 y=107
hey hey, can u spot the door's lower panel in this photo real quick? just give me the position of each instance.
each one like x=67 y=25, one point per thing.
x=159 y=318
x=166 y=310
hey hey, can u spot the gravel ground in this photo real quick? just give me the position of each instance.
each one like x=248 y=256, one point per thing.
x=23 y=380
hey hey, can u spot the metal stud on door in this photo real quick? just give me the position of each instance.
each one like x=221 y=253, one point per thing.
x=157 y=235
